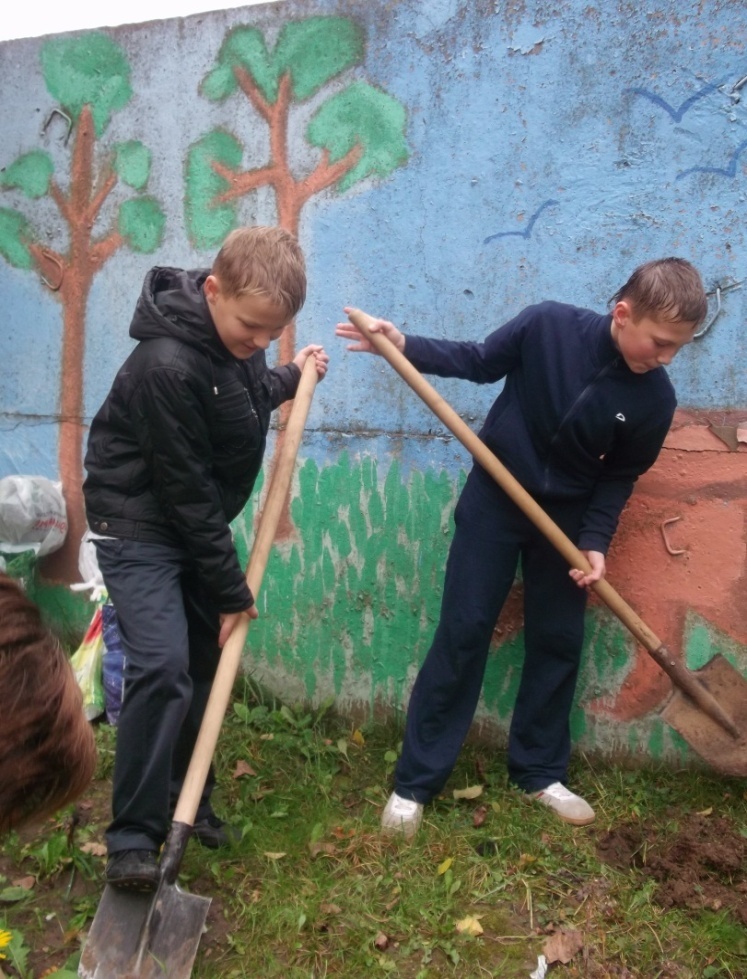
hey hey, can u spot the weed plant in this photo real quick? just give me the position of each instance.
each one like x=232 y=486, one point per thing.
x=313 y=890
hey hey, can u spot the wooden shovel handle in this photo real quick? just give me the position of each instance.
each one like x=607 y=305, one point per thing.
x=230 y=659
x=490 y=462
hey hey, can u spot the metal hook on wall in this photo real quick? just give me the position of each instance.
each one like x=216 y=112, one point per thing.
x=717 y=292
x=62 y=115
x=51 y=257
x=668 y=546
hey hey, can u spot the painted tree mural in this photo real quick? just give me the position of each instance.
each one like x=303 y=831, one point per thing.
x=89 y=77
x=358 y=131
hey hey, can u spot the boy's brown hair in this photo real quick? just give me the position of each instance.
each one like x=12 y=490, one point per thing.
x=667 y=288
x=47 y=748
x=263 y=261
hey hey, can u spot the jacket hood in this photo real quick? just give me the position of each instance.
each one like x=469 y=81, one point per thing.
x=172 y=304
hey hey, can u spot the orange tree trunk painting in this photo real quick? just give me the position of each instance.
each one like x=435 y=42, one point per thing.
x=358 y=132
x=90 y=78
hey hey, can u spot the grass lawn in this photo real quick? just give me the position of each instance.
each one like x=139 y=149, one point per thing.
x=656 y=888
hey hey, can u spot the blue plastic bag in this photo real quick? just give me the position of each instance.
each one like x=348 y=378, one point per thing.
x=113 y=665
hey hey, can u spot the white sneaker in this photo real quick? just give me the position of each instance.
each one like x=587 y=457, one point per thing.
x=571 y=808
x=401 y=816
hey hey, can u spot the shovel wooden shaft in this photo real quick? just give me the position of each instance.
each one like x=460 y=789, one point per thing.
x=679 y=674
x=230 y=659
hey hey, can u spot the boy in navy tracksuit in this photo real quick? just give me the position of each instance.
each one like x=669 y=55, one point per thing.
x=173 y=454
x=584 y=411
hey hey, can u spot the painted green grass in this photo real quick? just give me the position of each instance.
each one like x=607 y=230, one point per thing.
x=349 y=606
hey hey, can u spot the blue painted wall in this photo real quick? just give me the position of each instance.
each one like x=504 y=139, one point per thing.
x=552 y=148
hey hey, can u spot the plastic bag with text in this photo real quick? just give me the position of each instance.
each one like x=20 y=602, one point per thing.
x=33 y=516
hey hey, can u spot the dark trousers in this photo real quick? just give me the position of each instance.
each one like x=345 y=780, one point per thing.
x=169 y=629
x=490 y=538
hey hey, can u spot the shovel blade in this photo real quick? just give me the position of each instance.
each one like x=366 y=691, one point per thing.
x=723 y=751
x=113 y=947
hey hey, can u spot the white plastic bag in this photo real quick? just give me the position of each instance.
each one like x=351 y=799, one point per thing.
x=33 y=516
x=88 y=566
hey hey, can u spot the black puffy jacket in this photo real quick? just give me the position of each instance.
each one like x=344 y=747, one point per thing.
x=176 y=447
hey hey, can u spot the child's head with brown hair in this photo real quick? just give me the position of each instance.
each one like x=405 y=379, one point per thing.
x=47 y=748
x=666 y=289
x=657 y=312
x=263 y=261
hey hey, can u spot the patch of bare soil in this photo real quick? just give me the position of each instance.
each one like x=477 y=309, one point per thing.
x=698 y=866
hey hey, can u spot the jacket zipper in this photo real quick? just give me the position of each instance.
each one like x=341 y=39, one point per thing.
x=249 y=399
x=578 y=401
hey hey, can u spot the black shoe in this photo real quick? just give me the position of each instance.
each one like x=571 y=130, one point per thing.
x=213 y=833
x=133 y=870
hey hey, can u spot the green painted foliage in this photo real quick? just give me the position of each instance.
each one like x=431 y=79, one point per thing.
x=30 y=174
x=208 y=224
x=89 y=70
x=313 y=51
x=361 y=115
x=317 y=50
x=244 y=47
x=15 y=231
x=358 y=595
x=132 y=163
x=141 y=223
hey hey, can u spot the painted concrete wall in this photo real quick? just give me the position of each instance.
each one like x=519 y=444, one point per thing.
x=444 y=163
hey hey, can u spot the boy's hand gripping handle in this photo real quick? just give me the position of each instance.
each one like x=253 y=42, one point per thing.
x=230 y=659
x=490 y=462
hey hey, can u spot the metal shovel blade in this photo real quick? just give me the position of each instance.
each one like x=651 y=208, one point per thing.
x=724 y=751
x=114 y=948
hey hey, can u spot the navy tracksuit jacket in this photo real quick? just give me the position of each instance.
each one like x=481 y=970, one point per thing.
x=576 y=427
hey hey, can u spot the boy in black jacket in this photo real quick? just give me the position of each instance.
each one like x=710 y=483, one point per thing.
x=584 y=411
x=173 y=454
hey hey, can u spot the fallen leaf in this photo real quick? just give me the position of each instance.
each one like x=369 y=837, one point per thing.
x=479 y=816
x=342 y=747
x=274 y=856
x=28 y=883
x=443 y=867
x=381 y=941
x=267 y=737
x=330 y=909
x=316 y=848
x=562 y=946
x=357 y=738
x=471 y=792
x=705 y=812
x=95 y=849
x=243 y=768
x=470 y=926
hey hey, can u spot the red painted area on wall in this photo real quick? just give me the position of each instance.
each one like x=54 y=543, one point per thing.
x=700 y=481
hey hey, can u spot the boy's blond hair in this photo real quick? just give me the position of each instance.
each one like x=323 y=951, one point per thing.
x=667 y=288
x=263 y=261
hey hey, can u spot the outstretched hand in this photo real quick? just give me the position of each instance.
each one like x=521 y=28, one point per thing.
x=317 y=352
x=348 y=331
x=598 y=570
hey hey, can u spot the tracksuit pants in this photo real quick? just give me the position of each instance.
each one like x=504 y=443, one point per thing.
x=490 y=538
x=169 y=629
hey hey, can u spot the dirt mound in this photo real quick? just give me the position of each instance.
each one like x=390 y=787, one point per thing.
x=699 y=864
